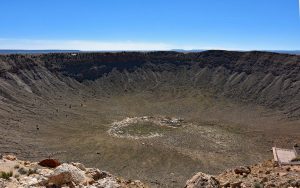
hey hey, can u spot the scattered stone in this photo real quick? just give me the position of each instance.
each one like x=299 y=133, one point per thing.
x=9 y=157
x=27 y=163
x=44 y=172
x=242 y=170
x=265 y=179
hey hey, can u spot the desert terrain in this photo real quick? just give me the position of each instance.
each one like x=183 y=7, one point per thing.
x=159 y=117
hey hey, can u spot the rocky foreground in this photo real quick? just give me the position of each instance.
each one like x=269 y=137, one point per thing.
x=264 y=175
x=15 y=173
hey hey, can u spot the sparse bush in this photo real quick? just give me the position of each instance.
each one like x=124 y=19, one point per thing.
x=6 y=175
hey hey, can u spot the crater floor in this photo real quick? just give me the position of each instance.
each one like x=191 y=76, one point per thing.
x=216 y=134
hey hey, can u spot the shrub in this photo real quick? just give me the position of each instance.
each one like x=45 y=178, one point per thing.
x=22 y=171
x=6 y=175
x=258 y=185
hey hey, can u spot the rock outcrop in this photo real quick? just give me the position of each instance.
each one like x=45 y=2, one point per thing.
x=15 y=173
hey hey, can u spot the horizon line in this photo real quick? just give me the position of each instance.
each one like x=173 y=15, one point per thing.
x=176 y=50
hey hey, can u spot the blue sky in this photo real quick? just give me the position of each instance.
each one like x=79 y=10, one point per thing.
x=150 y=24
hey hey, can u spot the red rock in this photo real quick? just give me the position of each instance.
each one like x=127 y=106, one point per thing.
x=51 y=163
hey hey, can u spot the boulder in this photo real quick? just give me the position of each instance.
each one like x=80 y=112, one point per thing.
x=66 y=173
x=202 y=180
x=50 y=163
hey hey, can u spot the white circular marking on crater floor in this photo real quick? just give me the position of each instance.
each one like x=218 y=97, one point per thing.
x=143 y=127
